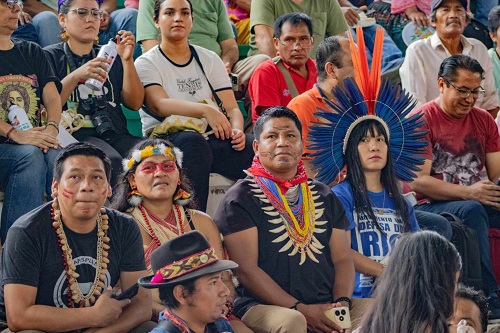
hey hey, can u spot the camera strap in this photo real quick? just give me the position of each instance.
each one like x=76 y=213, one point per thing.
x=71 y=60
x=214 y=93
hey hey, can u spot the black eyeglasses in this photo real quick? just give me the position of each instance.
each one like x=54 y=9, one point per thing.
x=465 y=93
x=11 y=4
x=304 y=42
x=85 y=13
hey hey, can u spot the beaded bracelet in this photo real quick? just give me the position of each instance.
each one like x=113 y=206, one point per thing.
x=7 y=135
x=53 y=123
x=344 y=299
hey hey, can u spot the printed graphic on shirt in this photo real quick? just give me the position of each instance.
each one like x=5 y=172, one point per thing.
x=189 y=85
x=462 y=167
x=61 y=286
x=371 y=242
x=19 y=92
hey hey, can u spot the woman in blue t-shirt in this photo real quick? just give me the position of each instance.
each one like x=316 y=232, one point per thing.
x=374 y=205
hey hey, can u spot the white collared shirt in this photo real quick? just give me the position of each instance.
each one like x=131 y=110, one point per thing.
x=420 y=69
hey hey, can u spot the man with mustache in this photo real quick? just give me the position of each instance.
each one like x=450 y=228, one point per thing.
x=278 y=80
x=458 y=132
x=420 y=68
x=286 y=232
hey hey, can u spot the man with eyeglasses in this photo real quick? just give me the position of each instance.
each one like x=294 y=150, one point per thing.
x=421 y=64
x=462 y=141
x=278 y=80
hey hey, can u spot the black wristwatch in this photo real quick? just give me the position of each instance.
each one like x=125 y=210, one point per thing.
x=294 y=307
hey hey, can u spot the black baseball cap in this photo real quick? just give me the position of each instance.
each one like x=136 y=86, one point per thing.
x=437 y=3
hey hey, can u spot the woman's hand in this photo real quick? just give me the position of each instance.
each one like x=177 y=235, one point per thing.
x=40 y=137
x=219 y=123
x=238 y=139
x=417 y=17
x=24 y=18
x=125 y=43
x=93 y=69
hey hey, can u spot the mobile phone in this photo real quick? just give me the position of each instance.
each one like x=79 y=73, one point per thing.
x=339 y=316
x=235 y=81
x=498 y=182
x=128 y=294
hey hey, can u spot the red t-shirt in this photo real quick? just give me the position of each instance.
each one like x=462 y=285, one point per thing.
x=458 y=147
x=267 y=86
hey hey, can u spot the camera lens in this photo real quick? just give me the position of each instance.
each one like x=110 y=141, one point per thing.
x=341 y=318
x=337 y=313
x=343 y=312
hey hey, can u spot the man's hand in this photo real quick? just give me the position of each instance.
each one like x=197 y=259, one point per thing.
x=106 y=19
x=417 y=17
x=485 y=192
x=107 y=309
x=316 y=318
x=38 y=136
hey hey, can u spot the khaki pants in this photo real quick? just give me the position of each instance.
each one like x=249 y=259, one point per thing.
x=145 y=327
x=277 y=319
x=274 y=319
x=359 y=308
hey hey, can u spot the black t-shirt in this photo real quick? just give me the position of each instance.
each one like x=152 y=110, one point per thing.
x=112 y=88
x=310 y=282
x=24 y=72
x=32 y=256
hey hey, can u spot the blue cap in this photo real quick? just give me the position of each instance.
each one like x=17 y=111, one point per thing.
x=437 y=3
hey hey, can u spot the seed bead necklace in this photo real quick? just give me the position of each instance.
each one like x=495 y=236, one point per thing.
x=75 y=295
x=178 y=218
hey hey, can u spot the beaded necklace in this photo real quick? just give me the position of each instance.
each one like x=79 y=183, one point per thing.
x=75 y=295
x=178 y=218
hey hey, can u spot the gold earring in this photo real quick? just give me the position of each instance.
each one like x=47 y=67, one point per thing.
x=96 y=40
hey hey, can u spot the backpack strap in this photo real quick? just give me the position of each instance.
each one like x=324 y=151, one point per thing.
x=286 y=74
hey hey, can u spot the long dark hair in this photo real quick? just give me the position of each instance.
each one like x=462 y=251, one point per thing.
x=417 y=289
x=357 y=180
x=122 y=187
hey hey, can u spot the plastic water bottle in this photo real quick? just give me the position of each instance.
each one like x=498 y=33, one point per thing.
x=18 y=118
x=107 y=51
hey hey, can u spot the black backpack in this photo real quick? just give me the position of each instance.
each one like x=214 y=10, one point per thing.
x=465 y=240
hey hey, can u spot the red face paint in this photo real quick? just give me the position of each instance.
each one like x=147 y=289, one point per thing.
x=150 y=167
x=67 y=193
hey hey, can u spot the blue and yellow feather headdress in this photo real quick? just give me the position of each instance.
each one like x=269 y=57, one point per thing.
x=363 y=98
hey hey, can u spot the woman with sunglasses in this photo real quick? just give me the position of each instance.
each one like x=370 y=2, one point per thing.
x=74 y=61
x=178 y=78
x=28 y=87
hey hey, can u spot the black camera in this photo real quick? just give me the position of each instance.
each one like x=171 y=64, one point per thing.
x=97 y=108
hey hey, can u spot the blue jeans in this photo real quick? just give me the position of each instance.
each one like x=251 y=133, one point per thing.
x=49 y=30
x=392 y=57
x=483 y=9
x=121 y=19
x=25 y=176
x=434 y=222
x=475 y=216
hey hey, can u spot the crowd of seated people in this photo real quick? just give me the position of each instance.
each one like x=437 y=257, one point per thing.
x=288 y=235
